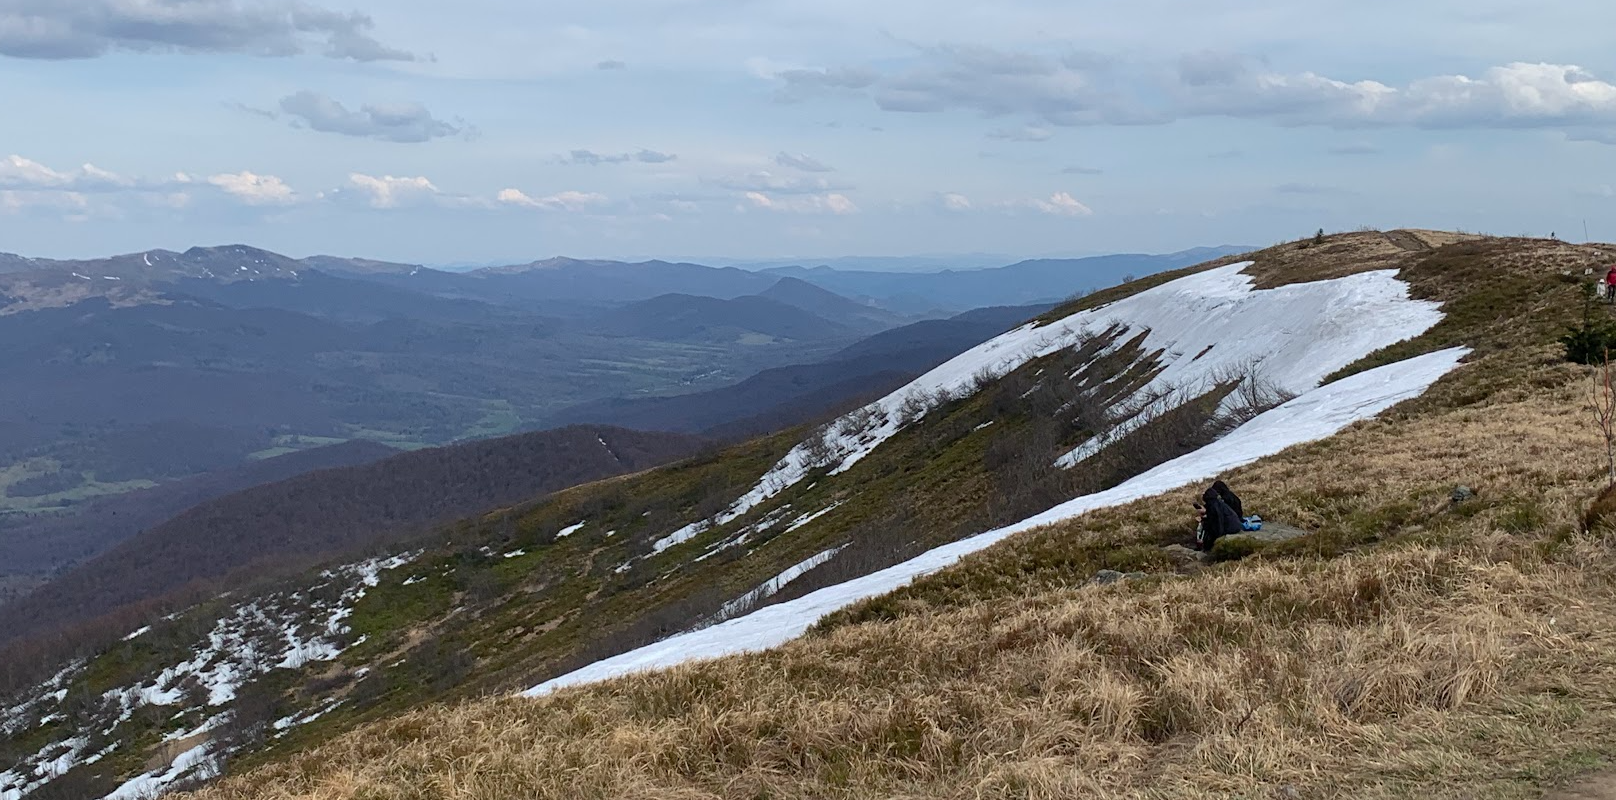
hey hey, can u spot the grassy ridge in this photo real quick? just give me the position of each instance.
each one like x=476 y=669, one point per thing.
x=1409 y=647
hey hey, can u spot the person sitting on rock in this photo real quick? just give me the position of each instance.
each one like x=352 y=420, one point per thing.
x=1217 y=520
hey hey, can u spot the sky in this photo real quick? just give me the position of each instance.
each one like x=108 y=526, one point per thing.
x=484 y=131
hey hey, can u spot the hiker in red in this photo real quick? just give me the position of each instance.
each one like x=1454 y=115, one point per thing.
x=1610 y=284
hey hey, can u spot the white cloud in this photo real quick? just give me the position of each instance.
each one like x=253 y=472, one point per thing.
x=831 y=203
x=254 y=189
x=17 y=172
x=953 y=201
x=391 y=192
x=564 y=201
x=1062 y=204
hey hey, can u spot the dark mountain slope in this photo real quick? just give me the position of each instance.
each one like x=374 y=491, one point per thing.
x=42 y=545
x=285 y=526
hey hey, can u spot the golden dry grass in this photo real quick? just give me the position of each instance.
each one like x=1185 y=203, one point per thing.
x=1417 y=650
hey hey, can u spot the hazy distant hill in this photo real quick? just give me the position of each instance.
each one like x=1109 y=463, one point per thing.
x=1023 y=283
x=831 y=306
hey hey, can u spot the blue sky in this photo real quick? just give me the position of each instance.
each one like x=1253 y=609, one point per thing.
x=487 y=130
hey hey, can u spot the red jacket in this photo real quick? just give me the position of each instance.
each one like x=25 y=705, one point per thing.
x=1610 y=277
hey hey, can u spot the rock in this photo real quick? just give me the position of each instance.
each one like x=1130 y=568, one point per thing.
x=1239 y=545
x=1105 y=577
x=1135 y=576
x=1461 y=494
x=1271 y=532
x=1182 y=553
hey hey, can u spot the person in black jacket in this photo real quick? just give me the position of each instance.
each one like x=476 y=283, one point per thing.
x=1218 y=520
x=1229 y=497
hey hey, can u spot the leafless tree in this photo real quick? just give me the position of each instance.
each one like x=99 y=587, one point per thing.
x=1604 y=405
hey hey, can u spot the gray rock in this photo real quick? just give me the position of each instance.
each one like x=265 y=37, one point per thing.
x=1183 y=553
x=1271 y=532
x=1136 y=576
x=1461 y=494
x=1106 y=577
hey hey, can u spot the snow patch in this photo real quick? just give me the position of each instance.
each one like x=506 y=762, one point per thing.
x=772 y=586
x=1315 y=415
x=571 y=529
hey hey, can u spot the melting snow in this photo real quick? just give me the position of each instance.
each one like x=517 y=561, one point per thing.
x=807 y=518
x=152 y=784
x=516 y=554
x=1315 y=415
x=771 y=587
x=1298 y=334
x=140 y=632
x=571 y=529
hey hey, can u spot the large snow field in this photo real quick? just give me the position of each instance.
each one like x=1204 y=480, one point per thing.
x=1314 y=415
x=1201 y=329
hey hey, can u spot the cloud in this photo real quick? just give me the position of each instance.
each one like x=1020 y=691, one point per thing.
x=592 y=158
x=611 y=65
x=1029 y=133
x=765 y=181
x=832 y=203
x=1079 y=90
x=802 y=84
x=404 y=122
x=564 y=201
x=1082 y=171
x=802 y=162
x=954 y=201
x=21 y=174
x=391 y=192
x=254 y=189
x=1062 y=204
x=64 y=29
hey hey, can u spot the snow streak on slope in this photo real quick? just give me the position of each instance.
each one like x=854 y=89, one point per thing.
x=1202 y=329
x=1315 y=415
x=284 y=630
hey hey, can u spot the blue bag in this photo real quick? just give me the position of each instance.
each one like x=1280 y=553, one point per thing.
x=1251 y=523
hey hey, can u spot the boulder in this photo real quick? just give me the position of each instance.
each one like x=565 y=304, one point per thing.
x=1107 y=576
x=1239 y=545
x=1461 y=494
x=1179 y=552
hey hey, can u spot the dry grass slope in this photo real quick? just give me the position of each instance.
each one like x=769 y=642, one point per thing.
x=1408 y=648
